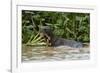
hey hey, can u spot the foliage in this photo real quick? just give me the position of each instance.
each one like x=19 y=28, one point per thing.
x=68 y=25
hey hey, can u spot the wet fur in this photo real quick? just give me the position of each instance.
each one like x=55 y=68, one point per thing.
x=56 y=41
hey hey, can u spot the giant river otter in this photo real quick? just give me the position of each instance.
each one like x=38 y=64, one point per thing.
x=54 y=41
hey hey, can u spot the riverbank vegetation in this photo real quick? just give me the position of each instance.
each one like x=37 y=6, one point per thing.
x=68 y=25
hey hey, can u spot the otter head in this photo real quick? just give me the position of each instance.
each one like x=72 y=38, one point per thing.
x=46 y=32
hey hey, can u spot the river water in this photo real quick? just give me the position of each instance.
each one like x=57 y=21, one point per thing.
x=43 y=53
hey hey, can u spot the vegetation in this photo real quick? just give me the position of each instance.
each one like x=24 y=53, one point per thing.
x=67 y=25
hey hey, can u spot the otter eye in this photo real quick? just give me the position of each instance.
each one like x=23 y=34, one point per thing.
x=46 y=30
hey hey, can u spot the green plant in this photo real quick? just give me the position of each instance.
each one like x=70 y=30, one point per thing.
x=67 y=25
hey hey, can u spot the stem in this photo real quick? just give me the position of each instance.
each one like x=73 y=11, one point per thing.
x=33 y=41
x=35 y=37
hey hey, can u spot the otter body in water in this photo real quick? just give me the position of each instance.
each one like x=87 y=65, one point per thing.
x=46 y=32
x=61 y=41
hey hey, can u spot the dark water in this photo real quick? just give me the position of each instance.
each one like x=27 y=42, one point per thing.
x=43 y=53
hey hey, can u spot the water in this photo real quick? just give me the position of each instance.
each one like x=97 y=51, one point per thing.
x=43 y=53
